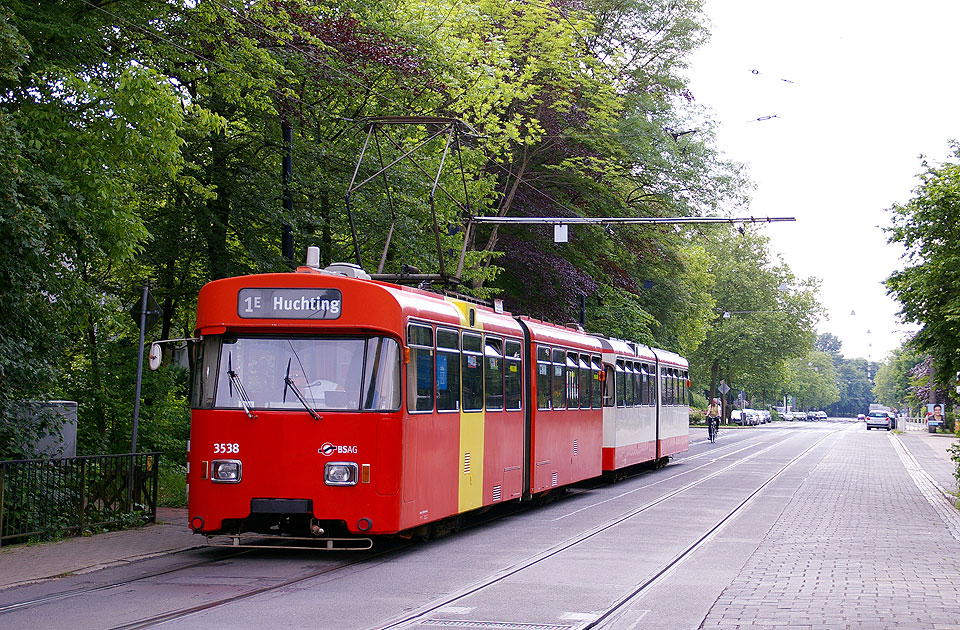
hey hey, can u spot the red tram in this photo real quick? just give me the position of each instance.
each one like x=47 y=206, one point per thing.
x=341 y=408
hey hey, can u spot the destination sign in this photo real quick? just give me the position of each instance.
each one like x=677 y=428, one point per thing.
x=289 y=303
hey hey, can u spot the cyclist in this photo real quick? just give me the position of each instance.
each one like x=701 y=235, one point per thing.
x=713 y=420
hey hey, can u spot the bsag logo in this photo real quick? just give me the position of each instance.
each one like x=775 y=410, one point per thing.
x=329 y=449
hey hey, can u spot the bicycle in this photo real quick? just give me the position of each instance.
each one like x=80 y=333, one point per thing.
x=713 y=427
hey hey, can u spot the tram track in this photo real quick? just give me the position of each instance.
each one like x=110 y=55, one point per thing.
x=421 y=617
x=54 y=597
x=762 y=444
x=611 y=614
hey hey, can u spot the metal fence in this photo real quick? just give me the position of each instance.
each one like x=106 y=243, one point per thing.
x=48 y=497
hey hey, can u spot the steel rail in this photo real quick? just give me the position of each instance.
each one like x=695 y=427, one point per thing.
x=420 y=616
x=53 y=597
x=610 y=614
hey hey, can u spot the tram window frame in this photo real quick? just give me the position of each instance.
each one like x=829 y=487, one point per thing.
x=559 y=379
x=572 y=381
x=620 y=387
x=513 y=374
x=652 y=384
x=637 y=394
x=493 y=373
x=205 y=377
x=544 y=371
x=663 y=386
x=451 y=401
x=379 y=373
x=673 y=387
x=642 y=379
x=471 y=376
x=596 y=387
x=417 y=344
x=670 y=388
x=586 y=390
x=609 y=386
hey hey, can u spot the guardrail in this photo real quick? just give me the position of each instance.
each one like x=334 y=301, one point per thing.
x=48 y=497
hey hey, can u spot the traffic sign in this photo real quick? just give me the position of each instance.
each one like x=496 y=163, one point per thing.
x=154 y=312
x=724 y=388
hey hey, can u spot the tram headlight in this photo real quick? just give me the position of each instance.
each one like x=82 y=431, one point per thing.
x=340 y=473
x=226 y=470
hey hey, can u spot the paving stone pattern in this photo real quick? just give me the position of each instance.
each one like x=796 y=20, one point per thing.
x=858 y=547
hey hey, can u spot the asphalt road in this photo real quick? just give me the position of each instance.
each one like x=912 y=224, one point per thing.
x=813 y=525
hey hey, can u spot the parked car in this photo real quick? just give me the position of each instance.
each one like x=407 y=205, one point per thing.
x=787 y=415
x=860 y=416
x=821 y=415
x=880 y=420
x=736 y=417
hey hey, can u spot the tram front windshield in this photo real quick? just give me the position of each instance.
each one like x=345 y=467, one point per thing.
x=335 y=374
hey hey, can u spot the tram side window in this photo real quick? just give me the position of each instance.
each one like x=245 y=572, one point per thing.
x=559 y=367
x=543 y=377
x=673 y=387
x=573 y=381
x=381 y=382
x=635 y=394
x=621 y=384
x=597 y=384
x=205 y=376
x=663 y=386
x=652 y=383
x=642 y=379
x=472 y=372
x=493 y=373
x=512 y=381
x=420 y=368
x=585 y=381
x=609 y=387
x=448 y=370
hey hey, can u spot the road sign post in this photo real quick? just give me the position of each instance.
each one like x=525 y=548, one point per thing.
x=146 y=312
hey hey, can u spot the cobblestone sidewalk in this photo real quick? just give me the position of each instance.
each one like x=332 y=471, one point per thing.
x=884 y=559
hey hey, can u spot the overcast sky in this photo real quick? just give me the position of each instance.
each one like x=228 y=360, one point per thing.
x=859 y=90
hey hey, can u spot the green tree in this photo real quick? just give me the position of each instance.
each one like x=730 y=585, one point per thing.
x=893 y=382
x=85 y=131
x=928 y=288
x=812 y=381
x=757 y=325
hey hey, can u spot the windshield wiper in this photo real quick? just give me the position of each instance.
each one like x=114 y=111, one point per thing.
x=296 y=390
x=235 y=382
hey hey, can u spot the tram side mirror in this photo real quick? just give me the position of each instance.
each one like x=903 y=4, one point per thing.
x=156 y=356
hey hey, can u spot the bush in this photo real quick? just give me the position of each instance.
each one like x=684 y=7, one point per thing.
x=949 y=422
x=955 y=456
x=173 y=486
x=698 y=416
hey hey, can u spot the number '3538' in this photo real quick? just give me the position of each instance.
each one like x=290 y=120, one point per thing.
x=226 y=448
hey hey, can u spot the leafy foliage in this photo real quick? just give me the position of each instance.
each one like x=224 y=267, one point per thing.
x=928 y=288
x=893 y=383
x=144 y=142
x=757 y=326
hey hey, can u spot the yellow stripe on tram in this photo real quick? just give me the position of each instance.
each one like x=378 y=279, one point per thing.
x=471 y=429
